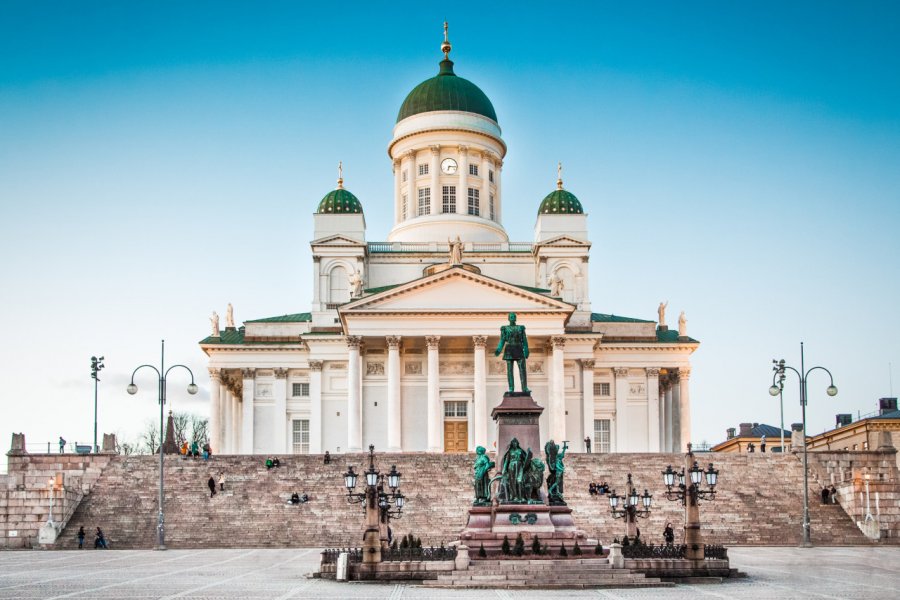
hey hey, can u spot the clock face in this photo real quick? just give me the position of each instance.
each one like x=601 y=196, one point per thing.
x=448 y=166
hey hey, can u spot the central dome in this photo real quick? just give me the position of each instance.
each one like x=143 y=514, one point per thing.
x=446 y=91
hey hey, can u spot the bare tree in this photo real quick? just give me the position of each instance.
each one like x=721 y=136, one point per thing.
x=150 y=437
x=199 y=430
x=188 y=428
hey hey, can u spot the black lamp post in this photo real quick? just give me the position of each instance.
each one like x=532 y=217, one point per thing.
x=380 y=506
x=689 y=492
x=633 y=506
x=96 y=365
x=132 y=389
x=777 y=386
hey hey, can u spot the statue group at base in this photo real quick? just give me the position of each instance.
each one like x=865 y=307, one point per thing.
x=521 y=475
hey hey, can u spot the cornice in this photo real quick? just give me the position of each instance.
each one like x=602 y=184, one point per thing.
x=395 y=141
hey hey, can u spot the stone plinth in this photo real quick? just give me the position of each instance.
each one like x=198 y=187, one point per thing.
x=553 y=525
x=517 y=417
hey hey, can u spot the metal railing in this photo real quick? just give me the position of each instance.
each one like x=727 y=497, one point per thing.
x=53 y=448
x=715 y=552
x=649 y=551
x=330 y=555
x=428 y=553
x=436 y=247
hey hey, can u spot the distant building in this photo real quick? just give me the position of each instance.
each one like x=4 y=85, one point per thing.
x=751 y=433
x=862 y=434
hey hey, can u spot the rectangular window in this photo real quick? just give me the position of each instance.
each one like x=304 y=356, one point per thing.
x=449 y=205
x=601 y=435
x=491 y=206
x=424 y=201
x=404 y=208
x=423 y=169
x=601 y=389
x=474 y=202
x=491 y=176
x=455 y=409
x=300 y=437
x=300 y=389
x=473 y=170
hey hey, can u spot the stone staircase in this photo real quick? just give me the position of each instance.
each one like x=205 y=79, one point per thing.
x=759 y=501
x=545 y=574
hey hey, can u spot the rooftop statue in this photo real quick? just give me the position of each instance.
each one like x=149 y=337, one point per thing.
x=214 y=321
x=482 y=482
x=682 y=325
x=661 y=311
x=229 y=316
x=554 y=456
x=514 y=345
x=513 y=469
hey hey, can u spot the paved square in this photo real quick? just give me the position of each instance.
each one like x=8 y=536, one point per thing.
x=774 y=573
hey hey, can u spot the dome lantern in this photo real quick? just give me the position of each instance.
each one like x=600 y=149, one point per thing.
x=339 y=201
x=560 y=201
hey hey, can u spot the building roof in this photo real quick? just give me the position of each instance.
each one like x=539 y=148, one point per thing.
x=294 y=318
x=894 y=414
x=602 y=318
x=770 y=431
x=227 y=336
x=339 y=201
x=671 y=335
x=446 y=91
x=560 y=202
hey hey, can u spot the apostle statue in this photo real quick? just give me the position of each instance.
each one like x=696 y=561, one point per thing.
x=554 y=457
x=229 y=317
x=556 y=285
x=355 y=279
x=456 y=251
x=514 y=345
x=682 y=325
x=513 y=470
x=214 y=321
x=482 y=482
x=662 y=313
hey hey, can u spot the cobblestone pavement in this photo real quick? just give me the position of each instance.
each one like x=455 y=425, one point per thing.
x=774 y=573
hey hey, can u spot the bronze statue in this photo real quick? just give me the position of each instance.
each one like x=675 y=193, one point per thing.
x=513 y=470
x=482 y=482
x=534 y=479
x=514 y=344
x=554 y=456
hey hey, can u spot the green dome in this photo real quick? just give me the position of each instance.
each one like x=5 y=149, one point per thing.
x=339 y=201
x=446 y=91
x=560 y=202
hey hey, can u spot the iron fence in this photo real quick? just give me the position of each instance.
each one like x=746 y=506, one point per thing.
x=330 y=555
x=649 y=551
x=427 y=553
x=711 y=552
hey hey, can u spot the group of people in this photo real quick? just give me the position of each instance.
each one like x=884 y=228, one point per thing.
x=598 y=489
x=99 y=540
x=194 y=450
x=273 y=462
x=829 y=494
x=211 y=482
x=751 y=447
x=299 y=499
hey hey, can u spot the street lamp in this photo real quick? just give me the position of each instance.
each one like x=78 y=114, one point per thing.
x=379 y=505
x=633 y=506
x=780 y=367
x=689 y=491
x=132 y=389
x=50 y=483
x=96 y=365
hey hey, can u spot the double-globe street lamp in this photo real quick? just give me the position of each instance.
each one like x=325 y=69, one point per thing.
x=689 y=492
x=96 y=365
x=132 y=389
x=380 y=506
x=633 y=506
x=777 y=386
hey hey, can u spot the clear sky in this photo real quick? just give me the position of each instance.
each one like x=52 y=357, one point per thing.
x=160 y=159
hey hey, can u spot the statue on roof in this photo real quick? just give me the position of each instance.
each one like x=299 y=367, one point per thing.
x=214 y=321
x=662 y=313
x=456 y=251
x=229 y=317
x=514 y=344
x=682 y=325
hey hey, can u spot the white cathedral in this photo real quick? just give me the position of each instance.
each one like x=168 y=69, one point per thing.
x=398 y=347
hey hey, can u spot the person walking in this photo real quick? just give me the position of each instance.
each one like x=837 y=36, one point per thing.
x=669 y=534
x=222 y=482
x=62 y=445
x=100 y=542
x=587 y=444
x=80 y=536
x=212 y=486
x=762 y=444
x=825 y=494
x=832 y=493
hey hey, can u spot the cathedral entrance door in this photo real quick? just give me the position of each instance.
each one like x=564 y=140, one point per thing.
x=456 y=427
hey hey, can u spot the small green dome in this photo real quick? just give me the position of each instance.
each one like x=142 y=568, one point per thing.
x=560 y=202
x=339 y=201
x=446 y=91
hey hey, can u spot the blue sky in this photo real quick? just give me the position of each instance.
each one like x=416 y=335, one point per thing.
x=158 y=160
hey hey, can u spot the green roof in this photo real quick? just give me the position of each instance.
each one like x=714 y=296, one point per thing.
x=446 y=91
x=228 y=336
x=560 y=202
x=339 y=201
x=295 y=318
x=384 y=288
x=601 y=318
x=671 y=336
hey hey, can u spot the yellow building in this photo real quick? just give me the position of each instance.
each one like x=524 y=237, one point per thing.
x=752 y=435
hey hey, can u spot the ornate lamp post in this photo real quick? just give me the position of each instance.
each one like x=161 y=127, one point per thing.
x=380 y=506
x=689 y=492
x=633 y=506
x=777 y=385
x=132 y=389
x=96 y=365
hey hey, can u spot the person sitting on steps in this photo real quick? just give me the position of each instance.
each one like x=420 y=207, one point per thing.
x=276 y=463
x=327 y=459
x=269 y=463
x=298 y=499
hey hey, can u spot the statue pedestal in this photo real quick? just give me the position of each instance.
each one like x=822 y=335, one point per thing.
x=517 y=417
x=553 y=525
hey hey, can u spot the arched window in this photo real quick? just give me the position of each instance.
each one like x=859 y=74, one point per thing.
x=338 y=286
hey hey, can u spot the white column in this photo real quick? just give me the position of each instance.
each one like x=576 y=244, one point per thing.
x=237 y=417
x=463 y=192
x=394 y=412
x=557 y=393
x=587 y=400
x=354 y=401
x=435 y=430
x=435 y=171
x=483 y=171
x=315 y=407
x=279 y=418
x=479 y=417
x=653 y=409
x=670 y=417
x=622 y=442
x=227 y=419
x=677 y=445
x=498 y=203
x=663 y=441
x=398 y=212
x=247 y=412
x=215 y=410
x=412 y=199
x=684 y=407
x=317 y=292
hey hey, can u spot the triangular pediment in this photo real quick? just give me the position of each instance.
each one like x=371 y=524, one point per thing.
x=563 y=240
x=453 y=291
x=336 y=240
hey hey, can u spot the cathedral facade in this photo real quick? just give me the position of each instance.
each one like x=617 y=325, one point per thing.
x=398 y=347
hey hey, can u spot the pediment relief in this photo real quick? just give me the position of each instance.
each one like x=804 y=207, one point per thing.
x=564 y=240
x=336 y=240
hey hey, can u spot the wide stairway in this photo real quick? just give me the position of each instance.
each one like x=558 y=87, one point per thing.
x=759 y=501
x=546 y=574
